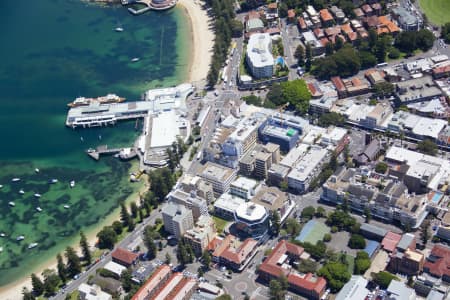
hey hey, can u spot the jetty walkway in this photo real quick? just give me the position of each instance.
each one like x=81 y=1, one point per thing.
x=149 y=5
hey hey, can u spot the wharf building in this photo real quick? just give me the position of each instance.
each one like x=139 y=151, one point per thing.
x=177 y=219
x=259 y=57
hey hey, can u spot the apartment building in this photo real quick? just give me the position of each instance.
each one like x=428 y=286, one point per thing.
x=219 y=176
x=177 y=219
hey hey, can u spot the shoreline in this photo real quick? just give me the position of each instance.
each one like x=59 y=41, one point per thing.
x=202 y=39
x=13 y=291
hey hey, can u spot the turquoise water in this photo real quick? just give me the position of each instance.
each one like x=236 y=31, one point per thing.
x=53 y=51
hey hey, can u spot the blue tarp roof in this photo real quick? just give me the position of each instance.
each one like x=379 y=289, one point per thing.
x=371 y=247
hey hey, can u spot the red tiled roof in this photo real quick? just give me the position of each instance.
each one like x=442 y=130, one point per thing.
x=301 y=23
x=439 y=264
x=352 y=36
x=324 y=41
x=382 y=29
x=366 y=8
x=240 y=254
x=325 y=15
x=390 y=241
x=291 y=13
x=332 y=30
x=338 y=83
x=346 y=28
x=152 y=282
x=356 y=81
x=358 y=12
x=372 y=21
x=312 y=89
x=318 y=32
x=214 y=243
x=124 y=255
x=308 y=282
x=440 y=70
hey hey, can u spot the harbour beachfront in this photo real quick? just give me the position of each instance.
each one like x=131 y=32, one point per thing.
x=97 y=175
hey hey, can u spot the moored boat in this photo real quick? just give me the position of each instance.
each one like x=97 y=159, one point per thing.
x=118 y=29
x=52 y=181
x=72 y=184
x=83 y=101
x=20 y=238
x=135 y=59
x=66 y=206
x=32 y=245
x=21 y=192
x=15 y=179
x=38 y=209
x=37 y=195
x=11 y=203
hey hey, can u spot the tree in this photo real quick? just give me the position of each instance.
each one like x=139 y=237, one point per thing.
x=306 y=266
x=292 y=227
x=336 y=274
x=368 y=214
x=331 y=118
x=383 y=89
x=427 y=147
x=184 y=253
x=327 y=237
x=383 y=279
x=338 y=43
x=124 y=215
x=168 y=258
x=308 y=53
x=134 y=210
x=445 y=33
x=356 y=241
x=85 y=248
x=117 y=227
x=425 y=39
x=276 y=290
x=150 y=244
x=329 y=49
x=275 y=220
x=394 y=53
x=381 y=167
x=308 y=212
x=362 y=262
x=425 y=232
x=51 y=281
x=107 y=237
x=320 y=212
x=27 y=295
x=61 y=267
x=367 y=59
x=236 y=28
x=37 y=284
x=73 y=266
x=224 y=297
x=300 y=55
x=126 y=279
x=253 y=100
x=297 y=94
x=206 y=257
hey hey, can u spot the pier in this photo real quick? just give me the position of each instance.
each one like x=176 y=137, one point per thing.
x=96 y=114
x=124 y=153
x=157 y=5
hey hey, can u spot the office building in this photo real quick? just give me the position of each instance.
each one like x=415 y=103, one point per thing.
x=226 y=205
x=190 y=200
x=201 y=235
x=244 y=188
x=251 y=220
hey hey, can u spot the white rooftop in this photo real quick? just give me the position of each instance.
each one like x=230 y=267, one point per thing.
x=165 y=128
x=294 y=155
x=93 y=292
x=250 y=211
x=308 y=163
x=429 y=127
x=355 y=289
x=259 y=50
x=245 y=183
x=114 y=267
x=228 y=202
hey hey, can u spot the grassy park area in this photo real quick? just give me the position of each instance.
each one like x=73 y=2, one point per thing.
x=437 y=11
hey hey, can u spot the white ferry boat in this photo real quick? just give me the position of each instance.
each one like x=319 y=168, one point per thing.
x=83 y=101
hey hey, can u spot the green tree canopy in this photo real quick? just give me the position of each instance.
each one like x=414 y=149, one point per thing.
x=362 y=262
x=383 y=279
x=308 y=212
x=336 y=274
x=381 y=167
x=356 y=241
x=73 y=266
x=427 y=147
x=107 y=237
x=331 y=118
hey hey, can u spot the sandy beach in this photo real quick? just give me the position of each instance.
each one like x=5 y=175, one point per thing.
x=202 y=39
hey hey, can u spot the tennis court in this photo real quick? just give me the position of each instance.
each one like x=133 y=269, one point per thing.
x=312 y=232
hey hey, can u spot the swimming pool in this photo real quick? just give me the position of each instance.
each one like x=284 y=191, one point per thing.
x=436 y=197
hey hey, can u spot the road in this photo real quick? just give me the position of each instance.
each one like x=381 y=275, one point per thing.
x=73 y=285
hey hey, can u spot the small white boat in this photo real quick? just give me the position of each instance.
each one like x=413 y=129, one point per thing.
x=36 y=170
x=15 y=179
x=52 y=181
x=2 y=234
x=20 y=238
x=135 y=59
x=12 y=204
x=37 y=195
x=66 y=206
x=32 y=245
x=38 y=209
x=21 y=192
x=118 y=29
x=1 y=186
x=72 y=184
x=1 y=249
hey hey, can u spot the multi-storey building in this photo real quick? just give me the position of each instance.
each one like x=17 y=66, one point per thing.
x=219 y=176
x=177 y=219
x=259 y=55
x=201 y=235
